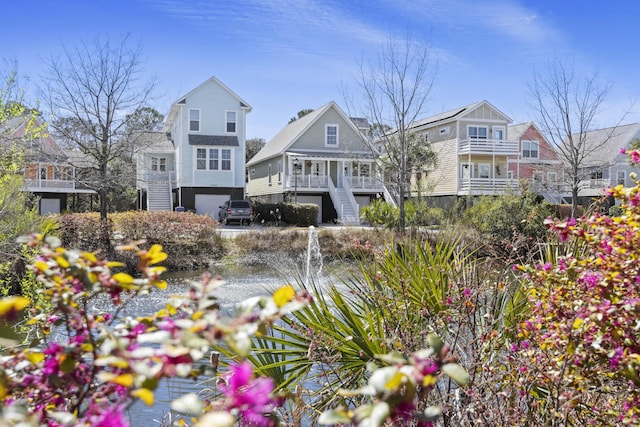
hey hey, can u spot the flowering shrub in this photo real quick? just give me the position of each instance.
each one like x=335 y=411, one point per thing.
x=579 y=352
x=89 y=367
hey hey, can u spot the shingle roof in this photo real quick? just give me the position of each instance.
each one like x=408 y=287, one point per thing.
x=279 y=143
x=226 y=140
x=514 y=132
x=604 y=144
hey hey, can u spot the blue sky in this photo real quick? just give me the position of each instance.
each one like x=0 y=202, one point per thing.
x=282 y=56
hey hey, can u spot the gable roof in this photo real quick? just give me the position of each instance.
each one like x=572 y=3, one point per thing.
x=175 y=107
x=455 y=114
x=515 y=132
x=615 y=139
x=291 y=132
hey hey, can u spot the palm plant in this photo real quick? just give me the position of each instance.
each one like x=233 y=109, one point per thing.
x=434 y=285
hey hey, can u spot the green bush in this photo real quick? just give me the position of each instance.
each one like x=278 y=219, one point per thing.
x=511 y=225
x=300 y=214
x=417 y=213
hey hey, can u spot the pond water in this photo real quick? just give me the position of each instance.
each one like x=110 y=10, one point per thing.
x=240 y=282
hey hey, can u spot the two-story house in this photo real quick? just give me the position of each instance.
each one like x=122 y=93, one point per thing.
x=47 y=171
x=538 y=166
x=322 y=158
x=472 y=150
x=604 y=165
x=198 y=162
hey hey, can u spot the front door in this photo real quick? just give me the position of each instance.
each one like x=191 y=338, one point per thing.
x=317 y=173
x=346 y=173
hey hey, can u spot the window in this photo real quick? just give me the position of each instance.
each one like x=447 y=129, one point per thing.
x=231 y=121
x=498 y=133
x=213 y=159
x=484 y=170
x=331 y=135
x=279 y=171
x=621 y=178
x=444 y=130
x=194 y=120
x=596 y=175
x=426 y=137
x=477 y=132
x=226 y=160
x=269 y=172
x=529 y=149
x=158 y=164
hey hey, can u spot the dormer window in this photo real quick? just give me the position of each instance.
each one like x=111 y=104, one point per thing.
x=231 y=120
x=194 y=120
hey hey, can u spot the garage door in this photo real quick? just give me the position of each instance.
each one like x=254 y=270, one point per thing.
x=316 y=200
x=49 y=206
x=209 y=204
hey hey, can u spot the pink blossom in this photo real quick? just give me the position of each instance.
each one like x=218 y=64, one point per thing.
x=251 y=397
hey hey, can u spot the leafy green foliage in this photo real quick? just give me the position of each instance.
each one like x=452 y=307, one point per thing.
x=510 y=225
x=417 y=213
x=300 y=214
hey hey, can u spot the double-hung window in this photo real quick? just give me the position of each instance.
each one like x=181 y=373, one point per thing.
x=231 y=120
x=194 y=120
x=331 y=135
x=213 y=159
x=530 y=150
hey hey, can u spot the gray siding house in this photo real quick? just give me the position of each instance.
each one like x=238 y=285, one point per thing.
x=322 y=158
x=198 y=161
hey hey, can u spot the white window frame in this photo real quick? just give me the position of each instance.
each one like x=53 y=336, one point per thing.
x=215 y=159
x=426 y=136
x=529 y=145
x=158 y=164
x=624 y=177
x=279 y=165
x=328 y=137
x=484 y=166
x=269 y=177
x=196 y=110
x=228 y=121
x=469 y=167
x=478 y=127
x=503 y=132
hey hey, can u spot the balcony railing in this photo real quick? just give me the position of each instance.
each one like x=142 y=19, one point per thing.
x=157 y=178
x=49 y=184
x=488 y=146
x=488 y=186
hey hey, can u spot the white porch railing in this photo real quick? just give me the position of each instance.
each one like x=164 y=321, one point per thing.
x=158 y=178
x=322 y=182
x=493 y=146
x=49 y=184
x=488 y=185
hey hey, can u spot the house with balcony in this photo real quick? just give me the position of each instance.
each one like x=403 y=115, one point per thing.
x=322 y=158
x=537 y=166
x=604 y=165
x=47 y=171
x=472 y=150
x=197 y=162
